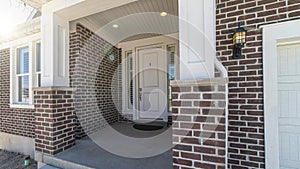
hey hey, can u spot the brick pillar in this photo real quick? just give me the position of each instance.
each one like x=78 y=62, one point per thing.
x=54 y=119
x=199 y=130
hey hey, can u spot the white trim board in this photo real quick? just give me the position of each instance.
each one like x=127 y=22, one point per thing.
x=273 y=36
x=22 y=31
x=21 y=41
x=29 y=41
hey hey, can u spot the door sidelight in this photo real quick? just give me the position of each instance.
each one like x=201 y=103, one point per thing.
x=140 y=93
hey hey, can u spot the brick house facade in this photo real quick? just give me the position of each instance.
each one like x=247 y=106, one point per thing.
x=14 y=121
x=246 y=115
x=98 y=87
x=199 y=129
x=54 y=119
x=94 y=99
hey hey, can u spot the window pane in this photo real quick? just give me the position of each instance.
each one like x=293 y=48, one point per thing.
x=171 y=72
x=130 y=79
x=23 y=60
x=38 y=57
x=23 y=90
x=171 y=62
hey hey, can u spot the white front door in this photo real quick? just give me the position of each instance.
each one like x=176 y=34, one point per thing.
x=289 y=106
x=152 y=86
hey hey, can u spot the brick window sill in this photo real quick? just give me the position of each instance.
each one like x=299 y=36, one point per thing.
x=22 y=106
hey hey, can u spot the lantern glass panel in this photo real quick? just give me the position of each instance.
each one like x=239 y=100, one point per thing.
x=239 y=38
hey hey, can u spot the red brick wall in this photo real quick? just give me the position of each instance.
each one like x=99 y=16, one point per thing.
x=54 y=120
x=13 y=121
x=97 y=81
x=199 y=132
x=246 y=116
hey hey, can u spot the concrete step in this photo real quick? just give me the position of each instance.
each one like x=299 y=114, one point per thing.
x=49 y=167
x=57 y=163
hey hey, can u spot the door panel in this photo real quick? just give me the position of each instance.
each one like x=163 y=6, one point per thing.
x=150 y=101
x=289 y=106
x=152 y=83
x=150 y=65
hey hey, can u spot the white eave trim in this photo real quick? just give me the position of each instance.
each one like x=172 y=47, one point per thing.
x=23 y=30
x=279 y=23
x=37 y=4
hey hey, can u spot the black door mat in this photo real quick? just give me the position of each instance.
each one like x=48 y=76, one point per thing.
x=147 y=127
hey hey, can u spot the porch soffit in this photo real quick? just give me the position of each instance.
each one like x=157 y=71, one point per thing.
x=141 y=17
x=37 y=4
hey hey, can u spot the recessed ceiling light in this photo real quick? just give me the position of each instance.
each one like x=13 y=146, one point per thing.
x=115 y=26
x=163 y=14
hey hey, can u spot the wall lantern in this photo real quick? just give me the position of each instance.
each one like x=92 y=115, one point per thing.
x=239 y=40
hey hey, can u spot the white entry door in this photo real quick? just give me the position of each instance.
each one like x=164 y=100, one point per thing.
x=289 y=106
x=152 y=87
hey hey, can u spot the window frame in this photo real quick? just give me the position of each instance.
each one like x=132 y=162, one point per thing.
x=127 y=85
x=36 y=72
x=176 y=71
x=31 y=43
x=19 y=74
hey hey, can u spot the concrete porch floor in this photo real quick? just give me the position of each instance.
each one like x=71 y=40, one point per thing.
x=120 y=146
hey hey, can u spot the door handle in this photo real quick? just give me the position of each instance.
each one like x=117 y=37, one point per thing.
x=140 y=93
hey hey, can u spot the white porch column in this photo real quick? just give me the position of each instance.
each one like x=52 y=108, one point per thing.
x=197 y=38
x=55 y=49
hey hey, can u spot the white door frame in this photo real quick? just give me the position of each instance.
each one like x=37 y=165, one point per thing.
x=133 y=46
x=274 y=35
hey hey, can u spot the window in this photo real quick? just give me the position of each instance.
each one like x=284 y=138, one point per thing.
x=25 y=74
x=171 y=63
x=129 y=79
x=171 y=50
x=38 y=64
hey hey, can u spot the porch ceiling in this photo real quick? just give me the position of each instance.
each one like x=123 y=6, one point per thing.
x=140 y=19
